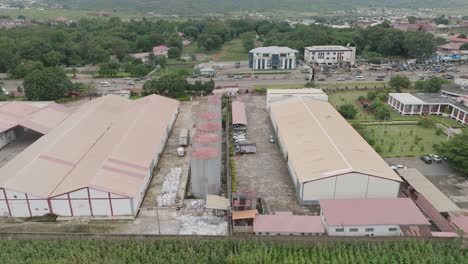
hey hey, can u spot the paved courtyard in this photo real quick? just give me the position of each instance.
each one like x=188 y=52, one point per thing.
x=452 y=183
x=266 y=171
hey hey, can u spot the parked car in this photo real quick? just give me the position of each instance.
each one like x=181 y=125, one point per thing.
x=340 y=79
x=380 y=79
x=321 y=80
x=127 y=78
x=398 y=167
x=194 y=76
x=448 y=77
x=348 y=78
x=237 y=77
x=360 y=78
x=435 y=158
x=426 y=159
x=381 y=76
x=272 y=139
x=237 y=64
x=130 y=83
x=180 y=152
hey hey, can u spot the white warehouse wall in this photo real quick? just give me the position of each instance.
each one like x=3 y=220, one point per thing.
x=350 y=185
x=21 y=204
x=91 y=202
x=378 y=230
x=7 y=137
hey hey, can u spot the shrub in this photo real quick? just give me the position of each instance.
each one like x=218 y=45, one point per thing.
x=348 y=111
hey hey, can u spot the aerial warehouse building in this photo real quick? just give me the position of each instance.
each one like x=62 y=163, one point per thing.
x=326 y=157
x=97 y=162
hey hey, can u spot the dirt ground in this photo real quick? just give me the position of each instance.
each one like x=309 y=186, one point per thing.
x=265 y=171
x=450 y=182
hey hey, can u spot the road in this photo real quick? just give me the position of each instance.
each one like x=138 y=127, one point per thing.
x=294 y=78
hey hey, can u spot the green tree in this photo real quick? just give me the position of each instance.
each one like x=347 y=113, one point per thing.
x=46 y=84
x=174 y=52
x=171 y=85
x=248 y=41
x=412 y=19
x=23 y=69
x=432 y=85
x=463 y=35
x=456 y=151
x=464 y=46
x=160 y=60
x=348 y=111
x=399 y=81
x=441 y=20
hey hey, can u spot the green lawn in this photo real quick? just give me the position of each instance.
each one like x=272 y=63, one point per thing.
x=174 y=69
x=402 y=140
x=230 y=51
x=350 y=97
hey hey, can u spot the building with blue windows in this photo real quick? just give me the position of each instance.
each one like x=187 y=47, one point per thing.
x=272 y=58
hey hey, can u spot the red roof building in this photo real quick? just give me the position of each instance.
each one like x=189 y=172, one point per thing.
x=285 y=223
x=161 y=50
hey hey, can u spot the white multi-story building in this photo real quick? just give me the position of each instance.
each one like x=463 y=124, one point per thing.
x=330 y=55
x=272 y=58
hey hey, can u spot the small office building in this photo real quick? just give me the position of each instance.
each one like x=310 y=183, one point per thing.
x=272 y=58
x=330 y=55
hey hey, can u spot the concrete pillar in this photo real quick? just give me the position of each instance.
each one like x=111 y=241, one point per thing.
x=464 y=118
x=412 y=109
x=438 y=110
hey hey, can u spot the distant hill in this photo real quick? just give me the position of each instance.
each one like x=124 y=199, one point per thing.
x=197 y=7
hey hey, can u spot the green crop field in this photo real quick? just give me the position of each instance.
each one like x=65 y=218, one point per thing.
x=222 y=251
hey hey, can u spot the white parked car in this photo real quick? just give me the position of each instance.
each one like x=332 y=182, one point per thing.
x=180 y=152
x=435 y=158
x=272 y=139
x=398 y=167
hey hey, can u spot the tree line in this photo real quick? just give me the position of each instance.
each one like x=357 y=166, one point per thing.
x=93 y=41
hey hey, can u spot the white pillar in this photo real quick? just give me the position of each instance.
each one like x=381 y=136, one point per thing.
x=255 y=63
x=412 y=109
x=438 y=110
x=293 y=65
x=464 y=118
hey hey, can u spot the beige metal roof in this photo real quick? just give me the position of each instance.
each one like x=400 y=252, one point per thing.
x=108 y=144
x=296 y=91
x=46 y=118
x=320 y=143
x=421 y=184
x=216 y=202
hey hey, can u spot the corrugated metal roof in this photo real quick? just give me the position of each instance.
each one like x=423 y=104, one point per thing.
x=421 y=184
x=38 y=116
x=320 y=143
x=406 y=98
x=372 y=211
x=238 y=113
x=107 y=144
x=286 y=222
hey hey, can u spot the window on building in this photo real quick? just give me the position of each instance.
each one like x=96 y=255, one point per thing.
x=339 y=230
x=334 y=53
x=328 y=53
x=392 y=229
x=369 y=229
x=267 y=233
x=353 y=230
x=328 y=58
x=266 y=55
x=283 y=55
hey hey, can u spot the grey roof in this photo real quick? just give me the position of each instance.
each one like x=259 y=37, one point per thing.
x=455 y=89
x=435 y=98
x=273 y=49
x=406 y=98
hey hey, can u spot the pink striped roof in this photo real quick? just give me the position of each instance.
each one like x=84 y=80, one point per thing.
x=286 y=222
x=464 y=40
x=372 y=211
x=238 y=113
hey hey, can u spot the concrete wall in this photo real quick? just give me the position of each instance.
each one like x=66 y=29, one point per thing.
x=287 y=234
x=7 y=137
x=350 y=185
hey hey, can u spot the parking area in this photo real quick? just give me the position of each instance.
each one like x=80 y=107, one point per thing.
x=266 y=171
x=450 y=182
